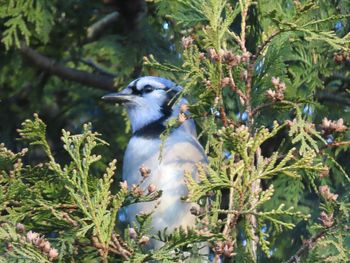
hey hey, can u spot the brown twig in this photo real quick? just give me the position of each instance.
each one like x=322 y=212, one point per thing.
x=97 y=28
x=262 y=46
x=67 y=206
x=223 y=116
x=97 y=68
x=69 y=220
x=245 y=4
x=117 y=248
x=260 y=107
x=255 y=189
x=307 y=244
x=58 y=69
x=228 y=225
x=328 y=96
x=102 y=249
x=250 y=70
x=244 y=13
x=234 y=87
x=335 y=144
x=62 y=215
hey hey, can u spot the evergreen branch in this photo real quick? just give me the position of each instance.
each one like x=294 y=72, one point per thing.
x=244 y=5
x=228 y=225
x=235 y=37
x=327 y=19
x=332 y=97
x=338 y=166
x=311 y=34
x=26 y=19
x=97 y=204
x=25 y=247
x=180 y=238
x=98 y=27
x=234 y=87
x=307 y=244
x=35 y=132
x=253 y=201
x=223 y=116
x=261 y=107
x=97 y=68
x=152 y=62
x=119 y=249
x=267 y=41
x=55 y=68
x=336 y=144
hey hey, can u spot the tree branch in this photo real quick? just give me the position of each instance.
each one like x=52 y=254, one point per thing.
x=96 y=68
x=332 y=97
x=97 y=28
x=335 y=144
x=307 y=244
x=338 y=76
x=60 y=70
x=267 y=41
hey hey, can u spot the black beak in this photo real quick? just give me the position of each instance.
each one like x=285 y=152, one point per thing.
x=117 y=97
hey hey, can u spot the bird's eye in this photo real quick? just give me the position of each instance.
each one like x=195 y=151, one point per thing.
x=148 y=89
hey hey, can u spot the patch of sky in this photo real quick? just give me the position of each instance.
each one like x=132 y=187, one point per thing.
x=271 y=251
x=330 y=139
x=338 y=25
x=227 y=154
x=308 y=109
x=122 y=214
x=242 y=116
x=166 y=26
x=259 y=66
x=215 y=112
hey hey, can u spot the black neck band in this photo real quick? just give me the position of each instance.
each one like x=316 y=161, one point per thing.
x=151 y=130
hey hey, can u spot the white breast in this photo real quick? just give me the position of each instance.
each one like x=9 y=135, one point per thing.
x=181 y=152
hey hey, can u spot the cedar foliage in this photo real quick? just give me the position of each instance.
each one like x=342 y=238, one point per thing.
x=263 y=79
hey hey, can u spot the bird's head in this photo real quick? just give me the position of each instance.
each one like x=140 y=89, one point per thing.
x=148 y=100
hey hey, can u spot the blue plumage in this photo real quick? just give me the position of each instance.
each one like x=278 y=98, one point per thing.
x=149 y=102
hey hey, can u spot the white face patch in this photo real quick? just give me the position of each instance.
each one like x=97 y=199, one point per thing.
x=146 y=107
x=145 y=110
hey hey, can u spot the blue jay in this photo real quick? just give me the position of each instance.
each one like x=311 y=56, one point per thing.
x=150 y=103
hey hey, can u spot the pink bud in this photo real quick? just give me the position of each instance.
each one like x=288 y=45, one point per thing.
x=124 y=185
x=145 y=172
x=53 y=253
x=326 y=193
x=225 y=81
x=47 y=247
x=282 y=86
x=324 y=172
x=151 y=188
x=327 y=220
x=144 y=240
x=187 y=42
x=275 y=81
x=9 y=247
x=136 y=190
x=31 y=236
x=213 y=54
x=132 y=233
x=20 y=228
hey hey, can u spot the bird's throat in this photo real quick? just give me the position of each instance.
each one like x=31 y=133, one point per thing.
x=151 y=130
